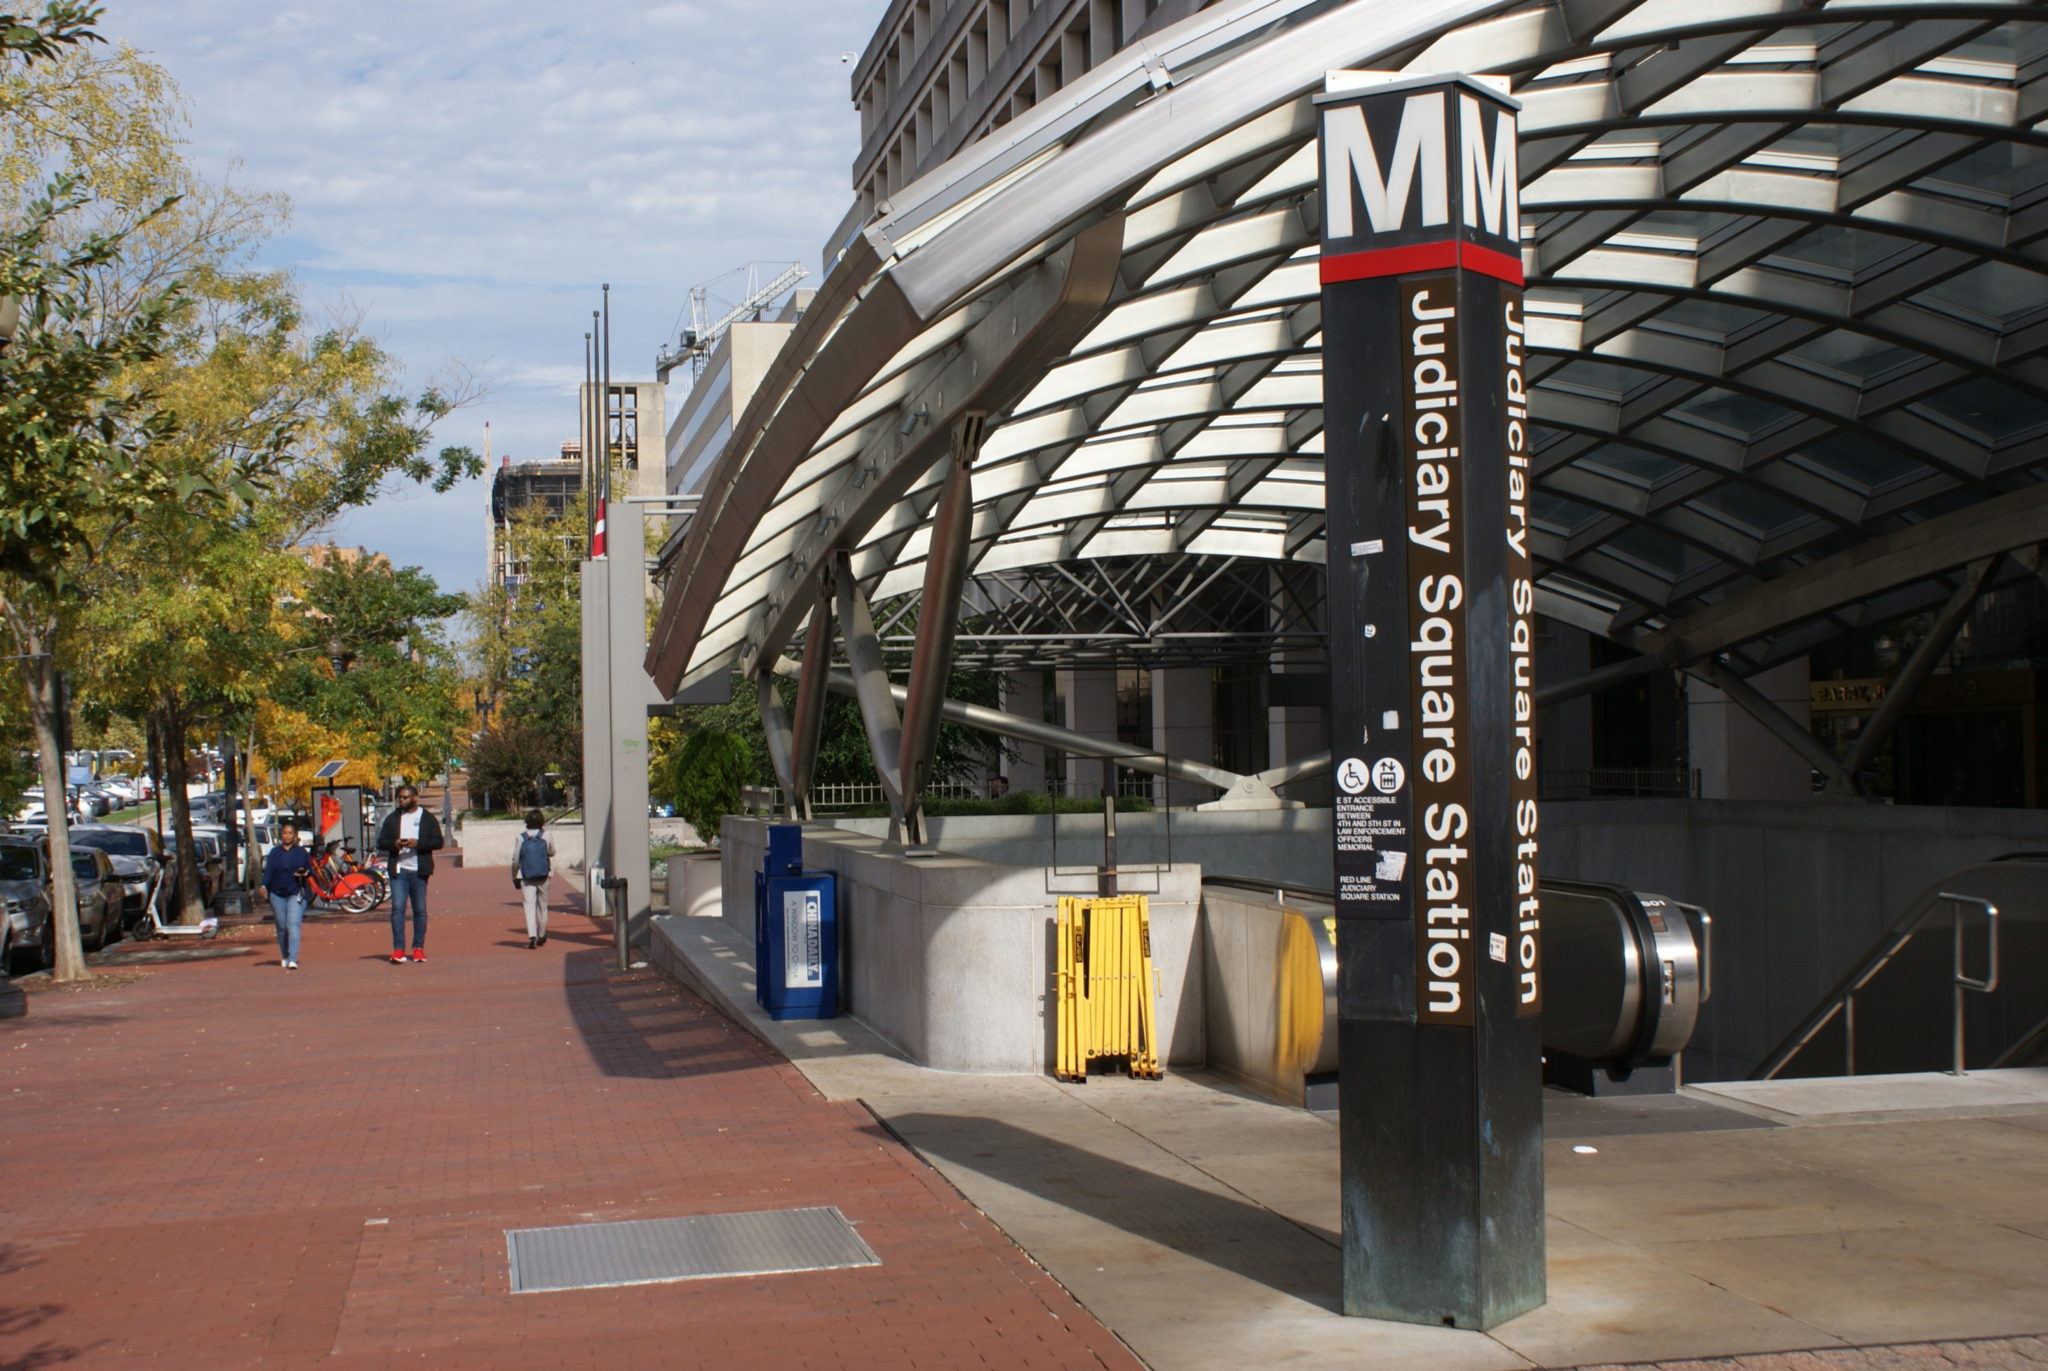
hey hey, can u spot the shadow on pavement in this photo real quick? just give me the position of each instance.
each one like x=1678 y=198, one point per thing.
x=640 y=1024
x=1232 y=1234
x=19 y=1320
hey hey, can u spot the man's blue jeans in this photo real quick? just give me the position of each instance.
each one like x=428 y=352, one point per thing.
x=408 y=886
x=289 y=911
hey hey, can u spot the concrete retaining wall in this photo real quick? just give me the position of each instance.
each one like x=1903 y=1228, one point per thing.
x=951 y=958
x=1799 y=890
x=489 y=842
x=1288 y=845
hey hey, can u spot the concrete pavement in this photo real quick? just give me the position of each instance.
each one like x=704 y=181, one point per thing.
x=225 y=1165
x=1201 y=1222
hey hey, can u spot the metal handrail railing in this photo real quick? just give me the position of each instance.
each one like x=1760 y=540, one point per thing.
x=1843 y=1001
x=2025 y=1044
x=1962 y=983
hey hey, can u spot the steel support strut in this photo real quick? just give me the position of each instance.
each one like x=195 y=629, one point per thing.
x=1770 y=716
x=810 y=704
x=775 y=727
x=871 y=688
x=938 y=620
x=1899 y=695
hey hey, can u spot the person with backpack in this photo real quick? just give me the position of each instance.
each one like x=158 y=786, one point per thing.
x=532 y=860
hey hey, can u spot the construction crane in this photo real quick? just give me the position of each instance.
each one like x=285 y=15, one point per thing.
x=696 y=341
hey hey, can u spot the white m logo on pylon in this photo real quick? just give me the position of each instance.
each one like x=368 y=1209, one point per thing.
x=1421 y=153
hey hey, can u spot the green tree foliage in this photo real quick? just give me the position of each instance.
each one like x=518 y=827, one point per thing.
x=75 y=473
x=844 y=757
x=526 y=638
x=704 y=777
x=137 y=308
x=62 y=24
x=198 y=622
x=508 y=765
x=381 y=669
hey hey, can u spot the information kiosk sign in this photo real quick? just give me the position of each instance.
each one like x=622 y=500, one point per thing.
x=1431 y=609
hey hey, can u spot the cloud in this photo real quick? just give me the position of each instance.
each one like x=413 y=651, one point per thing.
x=466 y=173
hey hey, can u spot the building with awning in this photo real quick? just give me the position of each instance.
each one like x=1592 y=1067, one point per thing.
x=1056 y=411
x=1786 y=302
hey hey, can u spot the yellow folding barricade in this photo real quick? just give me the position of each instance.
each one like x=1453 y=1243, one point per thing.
x=1108 y=990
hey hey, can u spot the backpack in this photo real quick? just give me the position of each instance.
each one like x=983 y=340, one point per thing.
x=533 y=857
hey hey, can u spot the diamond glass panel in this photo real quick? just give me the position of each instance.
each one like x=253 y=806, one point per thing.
x=1991 y=294
x=1857 y=463
x=1995 y=412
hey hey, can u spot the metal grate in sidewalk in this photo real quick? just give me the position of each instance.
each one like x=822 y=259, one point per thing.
x=646 y=1251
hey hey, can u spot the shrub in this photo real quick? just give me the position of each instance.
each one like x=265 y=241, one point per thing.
x=705 y=778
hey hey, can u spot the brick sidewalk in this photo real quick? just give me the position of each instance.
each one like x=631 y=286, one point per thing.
x=227 y=1165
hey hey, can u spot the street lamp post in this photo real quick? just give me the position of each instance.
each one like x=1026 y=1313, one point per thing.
x=483 y=725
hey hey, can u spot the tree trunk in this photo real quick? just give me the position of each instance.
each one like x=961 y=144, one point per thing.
x=44 y=707
x=252 y=854
x=191 y=906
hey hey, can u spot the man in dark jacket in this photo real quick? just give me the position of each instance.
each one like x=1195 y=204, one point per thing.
x=409 y=837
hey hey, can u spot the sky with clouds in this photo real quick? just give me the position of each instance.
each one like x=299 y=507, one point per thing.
x=465 y=173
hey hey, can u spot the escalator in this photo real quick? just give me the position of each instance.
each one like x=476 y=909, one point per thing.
x=1625 y=975
x=1959 y=982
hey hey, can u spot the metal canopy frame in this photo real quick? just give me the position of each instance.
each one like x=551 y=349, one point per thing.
x=1788 y=304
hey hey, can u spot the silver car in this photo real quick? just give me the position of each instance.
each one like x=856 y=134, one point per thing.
x=25 y=894
x=100 y=897
x=137 y=858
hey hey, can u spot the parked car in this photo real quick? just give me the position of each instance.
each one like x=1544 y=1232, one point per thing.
x=222 y=837
x=210 y=859
x=100 y=897
x=136 y=857
x=25 y=894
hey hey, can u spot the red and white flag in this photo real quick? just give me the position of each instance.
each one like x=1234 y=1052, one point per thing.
x=597 y=534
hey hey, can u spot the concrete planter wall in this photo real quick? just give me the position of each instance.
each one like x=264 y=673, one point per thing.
x=694 y=885
x=951 y=959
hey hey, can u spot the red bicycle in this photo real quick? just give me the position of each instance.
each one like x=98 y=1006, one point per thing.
x=331 y=880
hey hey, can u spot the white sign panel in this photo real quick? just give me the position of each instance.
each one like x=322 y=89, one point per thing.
x=803 y=954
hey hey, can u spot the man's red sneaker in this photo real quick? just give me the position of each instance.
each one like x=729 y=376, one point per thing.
x=397 y=956
x=419 y=954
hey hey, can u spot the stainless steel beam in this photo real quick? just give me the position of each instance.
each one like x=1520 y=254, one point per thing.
x=1300 y=769
x=1925 y=549
x=869 y=684
x=1025 y=730
x=775 y=727
x=810 y=704
x=938 y=619
x=995 y=361
x=1615 y=673
x=1766 y=712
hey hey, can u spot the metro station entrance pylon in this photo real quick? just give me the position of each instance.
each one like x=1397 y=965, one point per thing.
x=1431 y=607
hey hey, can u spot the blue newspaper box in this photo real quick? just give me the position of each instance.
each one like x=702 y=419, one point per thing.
x=796 y=932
